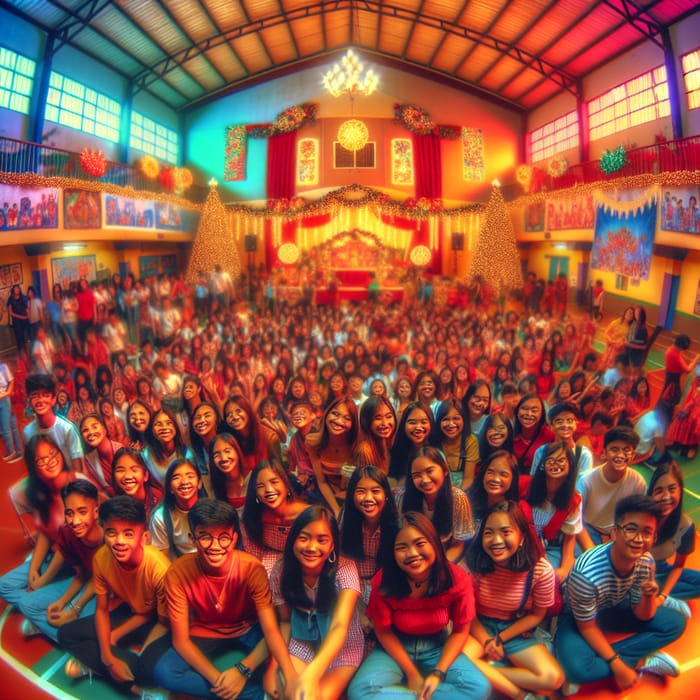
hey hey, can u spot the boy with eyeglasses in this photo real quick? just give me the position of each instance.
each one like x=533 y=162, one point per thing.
x=601 y=488
x=219 y=602
x=611 y=588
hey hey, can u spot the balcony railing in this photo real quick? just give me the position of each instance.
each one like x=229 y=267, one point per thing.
x=26 y=157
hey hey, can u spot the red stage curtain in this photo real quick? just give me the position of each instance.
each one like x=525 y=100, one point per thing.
x=281 y=162
x=428 y=164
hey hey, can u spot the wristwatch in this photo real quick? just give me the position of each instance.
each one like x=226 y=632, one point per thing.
x=243 y=669
x=439 y=673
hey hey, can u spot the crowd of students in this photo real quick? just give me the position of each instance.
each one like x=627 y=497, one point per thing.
x=362 y=500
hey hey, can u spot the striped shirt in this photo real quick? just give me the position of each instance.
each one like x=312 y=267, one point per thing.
x=594 y=585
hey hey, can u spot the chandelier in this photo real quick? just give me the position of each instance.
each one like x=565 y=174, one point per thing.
x=349 y=78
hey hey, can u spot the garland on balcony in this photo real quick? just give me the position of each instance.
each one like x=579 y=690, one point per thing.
x=418 y=121
x=287 y=120
x=612 y=161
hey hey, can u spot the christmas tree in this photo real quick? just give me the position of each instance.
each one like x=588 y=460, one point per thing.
x=496 y=260
x=213 y=243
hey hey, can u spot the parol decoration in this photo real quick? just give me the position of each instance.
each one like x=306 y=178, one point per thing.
x=93 y=162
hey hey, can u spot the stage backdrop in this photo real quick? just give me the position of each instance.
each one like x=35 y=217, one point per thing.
x=624 y=238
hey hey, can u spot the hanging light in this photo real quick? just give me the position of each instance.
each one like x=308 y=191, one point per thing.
x=349 y=77
x=353 y=135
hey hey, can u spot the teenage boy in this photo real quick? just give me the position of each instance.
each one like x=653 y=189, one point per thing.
x=601 y=488
x=218 y=600
x=612 y=588
x=41 y=395
x=563 y=419
x=301 y=413
x=129 y=570
x=65 y=600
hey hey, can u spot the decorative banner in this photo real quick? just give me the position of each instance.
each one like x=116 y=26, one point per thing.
x=679 y=211
x=67 y=270
x=235 y=153
x=624 y=240
x=534 y=217
x=124 y=212
x=307 y=162
x=168 y=216
x=25 y=208
x=570 y=213
x=81 y=209
x=473 y=169
x=401 y=162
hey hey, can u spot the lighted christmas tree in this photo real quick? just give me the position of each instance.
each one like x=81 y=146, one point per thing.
x=496 y=259
x=213 y=244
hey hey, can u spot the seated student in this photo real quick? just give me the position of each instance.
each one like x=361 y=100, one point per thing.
x=605 y=485
x=65 y=600
x=131 y=571
x=218 y=599
x=601 y=422
x=421 y=606
x=99 y=452
x=315 y=591
x=300 y=468
x=41 y=396
x=130 y=477
x=514 y=589
x=612 y=588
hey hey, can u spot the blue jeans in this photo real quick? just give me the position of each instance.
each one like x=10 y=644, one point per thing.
x=8 y=427
x=13 y=585
x=582 y=665
x=380 y=676
x=687 y=586
x=172 y=672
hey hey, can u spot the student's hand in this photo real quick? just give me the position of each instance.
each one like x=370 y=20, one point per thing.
x=415 y=683
x=58 y=616
x=650 y=588
x=493 y=650
x=625 y=677
x=229 y=684
x=430 y=684
x=33 y=581
x=120 y=671
x=303 y=688
x=272 y=683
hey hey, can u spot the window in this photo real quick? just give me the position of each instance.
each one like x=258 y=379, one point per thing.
x=691 y=77
x=16 y=80
x=554 y=137
x=153 y=138
x=401 y=162
x=640 y=100
x=364 y=158
x=73 y=104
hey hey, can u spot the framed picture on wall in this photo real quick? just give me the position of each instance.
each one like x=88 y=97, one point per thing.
x=679 y=210
x=148 y=266
x=67 y=270
x=81 y=209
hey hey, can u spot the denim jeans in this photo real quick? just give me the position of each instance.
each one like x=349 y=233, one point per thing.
x=380 y=676
x=8 y=427
x=687 y=586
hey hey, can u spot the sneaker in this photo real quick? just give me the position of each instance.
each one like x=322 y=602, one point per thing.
x=152 y=694
x=661 y=664
x=15 y=458
x=29 y=629
x=680 y=606
x=75 y=670
x=569 y=689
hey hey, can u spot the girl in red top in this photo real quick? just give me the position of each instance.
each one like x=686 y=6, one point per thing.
x=514 y=590
x=227 y=480
x=530 y=430
x=414 y=598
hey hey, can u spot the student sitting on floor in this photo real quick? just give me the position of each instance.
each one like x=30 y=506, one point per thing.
x=128 y=569
x=612 y=588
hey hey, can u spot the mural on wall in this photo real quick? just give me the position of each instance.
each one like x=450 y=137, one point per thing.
x=307 y=162
x=168 y=216
x=148 y=266
x=624 y=239
x=126 y=212
x=473 y=168
x=28 y=208
x=570 y=212
x=679 y=210
x=401 y=162
x=67 y=270
x=534 y=217
x=81 y=209
x=235 y=153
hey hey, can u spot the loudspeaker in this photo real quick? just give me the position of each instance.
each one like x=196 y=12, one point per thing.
x=251 y=243
x=457 y=241
x=37 y=248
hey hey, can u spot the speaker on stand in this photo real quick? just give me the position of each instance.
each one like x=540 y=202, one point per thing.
x=251 y=247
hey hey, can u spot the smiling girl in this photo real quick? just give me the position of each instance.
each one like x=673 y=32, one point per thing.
x=514 y=588
x=415 y=428
x=453 y=436
x=130 y=477
x=378 y=426
x=497 y=482
x=99 y=452
x=421 y=606
x=163 y=443
x=138 y=416
x=315 y=591
x=227 y=481
x=530 y=431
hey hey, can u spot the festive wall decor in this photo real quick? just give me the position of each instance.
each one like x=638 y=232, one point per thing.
x=287 y=120
x=558 y=166
x=679 y=210
x=534 y=217
x=81 y=209
x=623 y=240
x=128 y=212
x=235 y=153
x=28 y=208
x=418 y=121
x=168 y=216
x=93 y=162
x=612 y=161
x=496 y=260
x=149 y=167
x=570 y=212
x=401 y=162
x=148 y=266
x=214 y=244
x=307 y=161
x=473 y=169
x=71 y=269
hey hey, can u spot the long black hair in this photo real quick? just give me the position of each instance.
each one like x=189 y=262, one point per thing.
x=402 y=449
x=218 y=478
x=538 y=486
x=485 y=447
x=437 y=436
x=155 y=444
x=394 y=581
x=37 y=492
x=292 y=575
x=478 y=498
x=444 y=506
x=169 y=502
x=351 y=543
x=669 y=527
